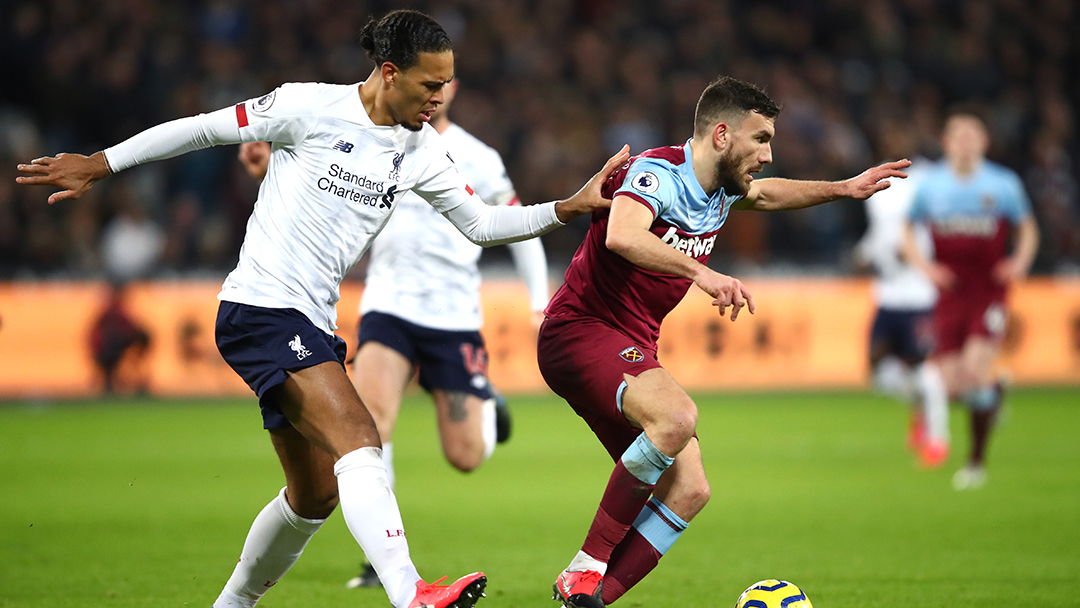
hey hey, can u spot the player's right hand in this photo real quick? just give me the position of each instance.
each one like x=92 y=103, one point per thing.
x=74 y=174
x=727 y=291
x=940 y=275
x=255 y=156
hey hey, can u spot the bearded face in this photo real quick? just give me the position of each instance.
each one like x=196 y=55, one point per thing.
x=747 y=152
x=730 y=174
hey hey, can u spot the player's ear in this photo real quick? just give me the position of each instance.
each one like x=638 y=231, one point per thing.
x=720 y=134
x=389 y=73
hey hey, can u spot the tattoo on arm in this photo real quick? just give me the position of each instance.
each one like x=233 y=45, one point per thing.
x=456 y=403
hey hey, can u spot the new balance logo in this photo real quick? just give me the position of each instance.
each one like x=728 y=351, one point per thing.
x=343 y=146
x=301 y=351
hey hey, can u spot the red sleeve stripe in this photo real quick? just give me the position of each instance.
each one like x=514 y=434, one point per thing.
x=241 y=115
x=514 y=201
x=469 y=190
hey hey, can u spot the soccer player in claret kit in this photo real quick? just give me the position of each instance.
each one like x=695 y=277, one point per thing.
x=971 y=206
x=341 y=156
x=597 y=347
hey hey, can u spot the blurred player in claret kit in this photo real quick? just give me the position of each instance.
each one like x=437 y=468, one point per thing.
x=341 y=158
x=971 y=206
x=902 y=337
x=597 y=347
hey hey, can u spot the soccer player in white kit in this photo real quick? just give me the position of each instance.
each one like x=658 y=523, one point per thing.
x=902 y=339
x=342 y=155
x=421 y=310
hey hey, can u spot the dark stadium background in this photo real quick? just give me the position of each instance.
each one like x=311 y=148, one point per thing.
x=554 y=85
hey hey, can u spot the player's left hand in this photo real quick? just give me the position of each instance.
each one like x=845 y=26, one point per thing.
x=588 y=199
x=875 y=179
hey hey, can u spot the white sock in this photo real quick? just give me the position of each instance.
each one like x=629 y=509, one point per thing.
x=584 y=561
x=488 y=432
x=274 y=543
x=935 y=399
x=388 y=462
x=891 y=378
x=371 y=513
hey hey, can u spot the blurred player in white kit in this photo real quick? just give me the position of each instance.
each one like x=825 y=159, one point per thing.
x=902 y=338
x=421 y=311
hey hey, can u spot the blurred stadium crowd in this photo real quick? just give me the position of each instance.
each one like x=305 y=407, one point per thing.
x=555 y=85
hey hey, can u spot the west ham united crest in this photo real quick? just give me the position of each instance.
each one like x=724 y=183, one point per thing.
x=632 y=354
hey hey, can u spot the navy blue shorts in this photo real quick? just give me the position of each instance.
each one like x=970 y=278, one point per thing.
x=453 y=361
x=261 y=344
x=908 y=334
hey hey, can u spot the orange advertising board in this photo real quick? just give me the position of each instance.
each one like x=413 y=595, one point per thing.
x=807 y=333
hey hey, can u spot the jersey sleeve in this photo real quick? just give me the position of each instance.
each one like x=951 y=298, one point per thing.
x=283 y=116
x=490 y=180
x=1015 y=202
x=651 y=182
x=438 y=179
x=920 y=204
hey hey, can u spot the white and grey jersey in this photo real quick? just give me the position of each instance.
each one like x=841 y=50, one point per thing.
x=424 y=270
x=898 y=285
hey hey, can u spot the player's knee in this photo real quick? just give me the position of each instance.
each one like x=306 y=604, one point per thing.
x=699 y=495
x=314 y=504
x=671 y=433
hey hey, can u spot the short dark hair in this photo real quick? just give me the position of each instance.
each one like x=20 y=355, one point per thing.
x=400 y=36
x=968 y=108
x=725 y=96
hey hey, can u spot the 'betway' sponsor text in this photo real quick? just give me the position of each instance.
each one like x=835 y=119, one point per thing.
x=694 y=247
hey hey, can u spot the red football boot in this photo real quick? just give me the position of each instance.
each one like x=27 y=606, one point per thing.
x=464 y=593
x=579 y=589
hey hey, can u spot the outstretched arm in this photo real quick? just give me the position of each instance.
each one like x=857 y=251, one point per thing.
x=489 y=226
x=776 y=194
x=74 y=174
x=629 y=236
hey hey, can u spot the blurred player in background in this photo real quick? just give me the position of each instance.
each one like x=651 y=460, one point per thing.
x=120 y=344
x=902 y=337
x=970 y=206
x=597 y=346
x=341 y=157
x=421 y=311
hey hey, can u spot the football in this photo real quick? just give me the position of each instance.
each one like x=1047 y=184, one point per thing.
x=773 y=594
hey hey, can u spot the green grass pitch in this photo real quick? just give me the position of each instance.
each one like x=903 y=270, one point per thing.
x=146 y=503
